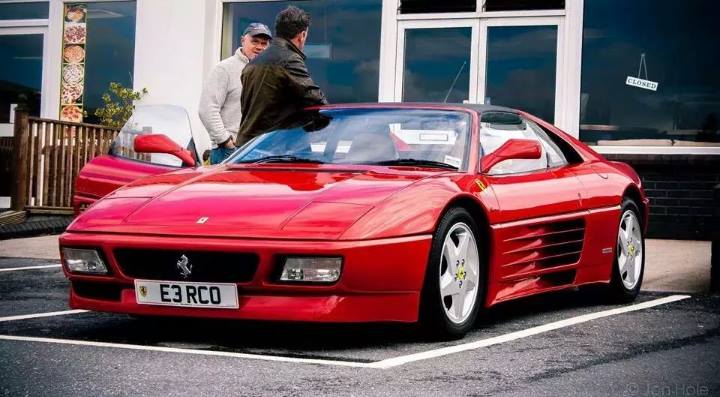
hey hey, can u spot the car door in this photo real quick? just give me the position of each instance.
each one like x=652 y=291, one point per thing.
x=539 y=229
x=122 y=165
x=600 y=199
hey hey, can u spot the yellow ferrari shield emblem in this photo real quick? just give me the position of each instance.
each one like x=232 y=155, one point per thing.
x=480 y=185
x=143 y=291
x=461 y=273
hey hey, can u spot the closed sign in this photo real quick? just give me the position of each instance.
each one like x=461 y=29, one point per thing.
x=640 y=83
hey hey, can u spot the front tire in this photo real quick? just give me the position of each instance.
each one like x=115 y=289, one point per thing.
x=629 y=264
x=455 y=279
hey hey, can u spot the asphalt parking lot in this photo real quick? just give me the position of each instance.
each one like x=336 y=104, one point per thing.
x=664 y=344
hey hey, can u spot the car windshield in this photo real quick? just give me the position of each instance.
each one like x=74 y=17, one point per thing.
x=170 y=120
x=413 y=137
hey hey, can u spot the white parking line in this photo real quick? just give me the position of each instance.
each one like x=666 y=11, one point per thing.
x=383 y=364
x=39 y=315
x=394 y=362
x=12 y=269
x=187 y=351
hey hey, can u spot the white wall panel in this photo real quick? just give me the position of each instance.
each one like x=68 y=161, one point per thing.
x=170 y=47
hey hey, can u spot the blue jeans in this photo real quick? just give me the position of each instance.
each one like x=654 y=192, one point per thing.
x=220 y=154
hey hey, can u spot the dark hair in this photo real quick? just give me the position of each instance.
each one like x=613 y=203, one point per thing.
x=290 y=22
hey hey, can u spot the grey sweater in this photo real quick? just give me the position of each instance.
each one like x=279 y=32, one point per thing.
x=219 y=109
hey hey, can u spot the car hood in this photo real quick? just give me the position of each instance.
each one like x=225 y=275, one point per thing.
x=248 y=201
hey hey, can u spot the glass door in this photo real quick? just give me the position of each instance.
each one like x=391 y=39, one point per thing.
x=521 y=64
x=436 y=61
x=21 y=54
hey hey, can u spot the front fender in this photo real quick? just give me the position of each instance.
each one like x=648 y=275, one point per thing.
x=411 y=211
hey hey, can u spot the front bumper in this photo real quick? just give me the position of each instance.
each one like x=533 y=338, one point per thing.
x=381 y=279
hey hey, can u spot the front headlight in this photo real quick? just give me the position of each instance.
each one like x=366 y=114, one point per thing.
x=78 y=260
x=311 y=269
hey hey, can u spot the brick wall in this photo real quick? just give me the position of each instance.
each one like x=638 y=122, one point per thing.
x=680 y=188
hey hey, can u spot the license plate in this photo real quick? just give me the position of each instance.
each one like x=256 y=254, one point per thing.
x=177 y=293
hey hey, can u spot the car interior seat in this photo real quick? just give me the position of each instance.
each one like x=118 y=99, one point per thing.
x=371 y=147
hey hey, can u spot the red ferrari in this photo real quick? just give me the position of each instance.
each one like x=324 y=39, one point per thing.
x=358 y=213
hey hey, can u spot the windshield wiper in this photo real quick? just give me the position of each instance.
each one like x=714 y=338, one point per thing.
x=429 y=163
x=284 y=158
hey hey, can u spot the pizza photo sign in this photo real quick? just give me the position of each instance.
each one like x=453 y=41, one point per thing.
x=73 y=62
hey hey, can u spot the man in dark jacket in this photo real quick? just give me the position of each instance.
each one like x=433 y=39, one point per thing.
x=276 y=84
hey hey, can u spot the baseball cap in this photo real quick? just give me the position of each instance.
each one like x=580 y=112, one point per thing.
x=257 y=28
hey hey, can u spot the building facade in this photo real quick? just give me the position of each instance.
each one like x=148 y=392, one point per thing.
x=636 y=80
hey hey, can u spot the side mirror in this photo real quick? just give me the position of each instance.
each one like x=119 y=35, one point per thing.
x=512 y=149
x=160 y=143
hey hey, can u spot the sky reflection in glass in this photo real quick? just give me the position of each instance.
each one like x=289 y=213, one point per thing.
x=437 y=65
x=110 y=51
x=21 y=59
x=343 y=47
x=682 y=54
x=521 y=68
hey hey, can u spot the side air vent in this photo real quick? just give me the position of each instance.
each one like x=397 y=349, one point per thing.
x=536 y=249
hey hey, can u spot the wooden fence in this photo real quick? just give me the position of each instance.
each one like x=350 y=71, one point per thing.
x=48 y=154
x=6 y=149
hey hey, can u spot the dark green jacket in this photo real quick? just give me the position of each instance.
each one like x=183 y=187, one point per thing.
x=276 y=88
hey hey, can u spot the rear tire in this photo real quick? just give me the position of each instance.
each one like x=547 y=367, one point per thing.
x=629 y=264
x=454 y=287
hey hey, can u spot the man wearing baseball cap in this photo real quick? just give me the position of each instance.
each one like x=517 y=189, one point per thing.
x=220 y=109
x=277 y=83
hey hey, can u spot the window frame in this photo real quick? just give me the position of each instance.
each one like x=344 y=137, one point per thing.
x=46 y=87
x=399 y=69
x=568 y=78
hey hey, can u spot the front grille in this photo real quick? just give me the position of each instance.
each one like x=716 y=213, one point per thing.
x=204 y=266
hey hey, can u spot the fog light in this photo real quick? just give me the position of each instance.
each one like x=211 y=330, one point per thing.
x=311 y=269
x=83 y=261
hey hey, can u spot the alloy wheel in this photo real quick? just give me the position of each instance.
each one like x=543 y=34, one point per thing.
x=459 y=273
x=629 y=250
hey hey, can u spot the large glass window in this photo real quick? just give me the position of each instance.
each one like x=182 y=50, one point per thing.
x=521 y=64
x=437 y=65
x=650 y=73
x=343 y=48
x=33 y=10
x=110 y=50
x=21 y=57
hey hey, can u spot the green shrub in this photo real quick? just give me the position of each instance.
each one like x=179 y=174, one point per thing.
x=118 y=105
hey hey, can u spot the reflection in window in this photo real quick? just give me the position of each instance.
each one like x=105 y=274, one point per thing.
x=110 y=51
x=437 y=65
x=680 y=43
x=518 y=5
x=21 y=57
x=521 y=64
x=425 y=6
x=343 y=47
x=34 y=10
